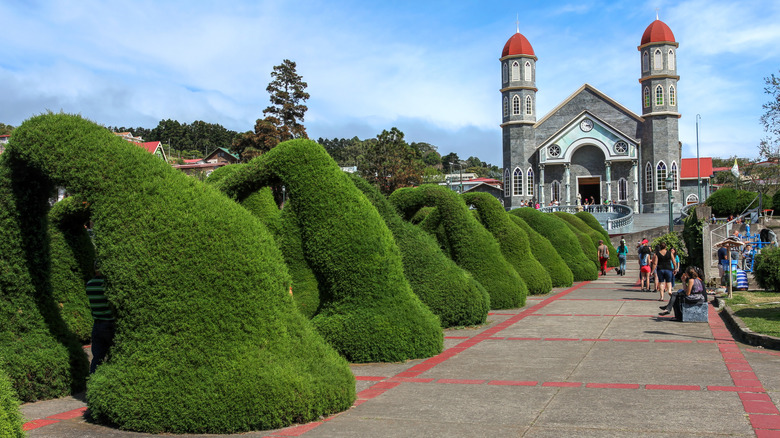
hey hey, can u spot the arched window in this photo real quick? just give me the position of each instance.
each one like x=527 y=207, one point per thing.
x=670 y=61
x=528 y=74
x=517 y=181
x=658 y=61
x=648 y=177
x=674 y=174
x=530 y=183
x=645 y=61
x=555 y=191
x=516 y=105
x=672 y=98
x=622 y=189
x=647 y=97
x=692 y=199
x=529 y=106
x=659 y=95
x=515 y=71
x=660 y=176
x=506 y=107
x=504 y=72
x=507 y=183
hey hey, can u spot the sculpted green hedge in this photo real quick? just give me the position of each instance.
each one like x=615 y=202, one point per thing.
x=72 y=257
x=542 y=249
x=41 y=356
x=10 y=418
x=512 y=240
x=585 y=222
x=368 y=311
x=448 y=290
x=562 y=239
x=466 y=241
x=208 y=339
x=587 y=245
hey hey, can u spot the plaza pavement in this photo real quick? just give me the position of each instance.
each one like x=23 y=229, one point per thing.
x=592 y=360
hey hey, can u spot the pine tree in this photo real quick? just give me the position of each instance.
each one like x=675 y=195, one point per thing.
x=288 y=95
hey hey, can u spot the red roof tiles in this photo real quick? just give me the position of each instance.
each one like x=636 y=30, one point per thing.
x=657 y=32
x=517 y=45
x=688 y=168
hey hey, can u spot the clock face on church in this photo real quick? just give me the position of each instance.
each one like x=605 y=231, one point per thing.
x=586 y=125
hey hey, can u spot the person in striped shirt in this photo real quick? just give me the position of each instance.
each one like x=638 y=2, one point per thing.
x=104 y=323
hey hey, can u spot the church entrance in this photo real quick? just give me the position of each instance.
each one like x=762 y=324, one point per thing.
x=589 y=186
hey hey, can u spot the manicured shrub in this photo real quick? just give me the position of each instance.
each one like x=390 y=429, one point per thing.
x=548 y=257
x=208 y=339
x=72 y=257
x=367 y=311
x=767 y=269
x=562 y=239
x=588 y=248
x=512 y=240
x=727 y=201
x=776 y=201
x=41 y=357
x=10 y=418
x=580 y=225
x=449 y=291
x=465 y=240
x=593 y=224
x=284 y=227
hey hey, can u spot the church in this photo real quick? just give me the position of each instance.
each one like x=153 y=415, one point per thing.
x=591 y=146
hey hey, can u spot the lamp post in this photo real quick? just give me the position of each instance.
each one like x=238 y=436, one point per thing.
x=669 y=181
x=450 y=178
x=698 y=164
x=460 y=177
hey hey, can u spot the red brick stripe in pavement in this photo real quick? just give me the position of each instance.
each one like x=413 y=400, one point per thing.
x=762 y=412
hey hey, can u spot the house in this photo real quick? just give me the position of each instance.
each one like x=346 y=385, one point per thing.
x=218 y=158
x=689 y=179
x=153 y=147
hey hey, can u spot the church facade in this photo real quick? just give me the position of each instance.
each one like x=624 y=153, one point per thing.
x=591 y=146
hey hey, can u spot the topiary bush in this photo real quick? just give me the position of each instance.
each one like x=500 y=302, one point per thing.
x=72 y=257
x=692 y=238
x=545 y=253
x=208 y=339
x=562 y=239
x=588 y=248
x=41 y=356
x=512 y=240
x=673 y=240
x=10 y=418
x=465 y=240
x=727 y=201
x=588 y=224
x=449 y=291
x=766 y=269
x=368 y=311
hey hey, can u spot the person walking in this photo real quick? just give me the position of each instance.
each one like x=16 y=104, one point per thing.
x=603 y=253
x=663 y=263
x=644 y=266
x=622 y=251
x=103 y=321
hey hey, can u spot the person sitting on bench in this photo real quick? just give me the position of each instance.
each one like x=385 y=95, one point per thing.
x=693 y=291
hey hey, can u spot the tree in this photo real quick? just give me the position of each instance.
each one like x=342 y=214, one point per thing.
x=770 y=146
x=5 y=129
x=287 y=98
x=452 y=157
x=390 y=163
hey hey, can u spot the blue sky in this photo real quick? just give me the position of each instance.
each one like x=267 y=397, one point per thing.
x=429 y=68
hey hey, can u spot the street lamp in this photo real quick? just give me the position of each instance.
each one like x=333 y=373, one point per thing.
x=460 y=176
x=450 y=178
x=698 y=164
x=669 y=181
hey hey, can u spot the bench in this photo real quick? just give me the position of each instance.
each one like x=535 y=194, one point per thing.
x=687 y=312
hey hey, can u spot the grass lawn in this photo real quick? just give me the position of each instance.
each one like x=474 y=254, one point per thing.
x=759 y=310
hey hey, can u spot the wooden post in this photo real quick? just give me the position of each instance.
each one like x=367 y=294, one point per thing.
x=730 y=280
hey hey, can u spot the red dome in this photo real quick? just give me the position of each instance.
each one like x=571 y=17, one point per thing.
x=517 y=45
x=657 y=32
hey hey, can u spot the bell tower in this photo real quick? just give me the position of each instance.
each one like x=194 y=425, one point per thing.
x=518 y=110
x=660 y=149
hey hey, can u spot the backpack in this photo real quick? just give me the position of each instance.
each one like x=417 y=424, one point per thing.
x=643 y=259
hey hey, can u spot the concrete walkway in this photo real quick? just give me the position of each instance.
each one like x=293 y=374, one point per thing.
x=592 y=360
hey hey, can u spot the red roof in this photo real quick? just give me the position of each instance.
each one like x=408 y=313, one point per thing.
x=485 y=180
x=150 y=146
x=5 y=135
x=517 y=45
x=657 y=32
x=688 y=168
x=721 y=169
